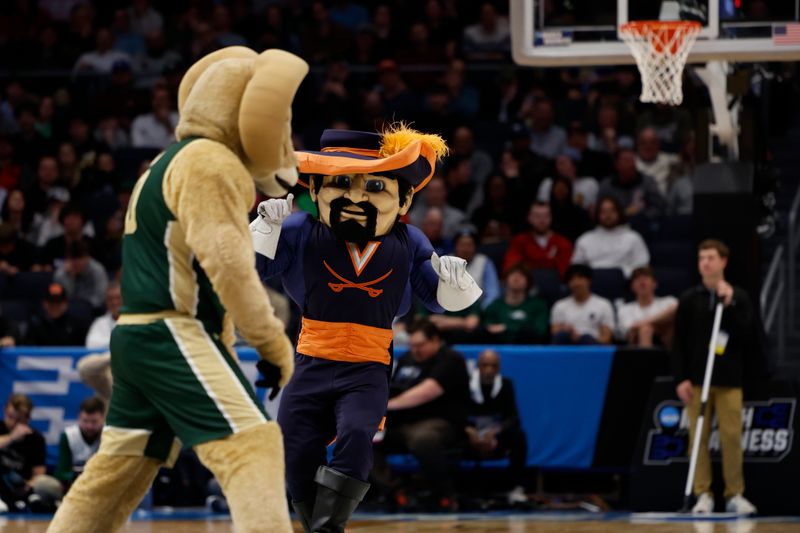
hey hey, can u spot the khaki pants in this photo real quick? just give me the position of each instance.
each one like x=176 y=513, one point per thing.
x=726 y=402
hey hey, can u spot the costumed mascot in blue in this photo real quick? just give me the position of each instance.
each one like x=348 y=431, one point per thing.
x=351 y=271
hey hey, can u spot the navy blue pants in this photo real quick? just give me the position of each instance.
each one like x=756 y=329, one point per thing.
x=327 y=399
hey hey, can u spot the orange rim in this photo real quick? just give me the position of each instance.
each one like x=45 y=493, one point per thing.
x=638 y=26
x=661 y=32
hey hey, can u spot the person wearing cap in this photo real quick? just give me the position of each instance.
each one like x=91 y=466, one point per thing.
x=54 y=326
x=352 y=271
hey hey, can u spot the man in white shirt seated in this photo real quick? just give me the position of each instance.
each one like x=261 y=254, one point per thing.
x=612 y=244
x=157 y=128
x=99 y=335
x=583 y=317
x=649 y=319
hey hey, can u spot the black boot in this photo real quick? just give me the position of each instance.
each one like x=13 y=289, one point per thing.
x=304 y=511
x=338 y=495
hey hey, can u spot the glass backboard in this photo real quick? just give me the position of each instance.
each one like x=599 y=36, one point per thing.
x=585 y=32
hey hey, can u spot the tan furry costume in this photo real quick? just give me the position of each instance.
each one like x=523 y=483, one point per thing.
x=238 y=105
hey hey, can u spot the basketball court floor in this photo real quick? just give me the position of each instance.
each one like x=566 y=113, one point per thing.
x=538 y=522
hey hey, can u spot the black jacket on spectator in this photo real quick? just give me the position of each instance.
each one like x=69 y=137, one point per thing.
x=499 y=410
x=64 y=331
x=744 y=353
x=449 y=369
x=22 y=455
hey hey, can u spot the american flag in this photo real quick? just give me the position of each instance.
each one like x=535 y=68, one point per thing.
x=786 y=33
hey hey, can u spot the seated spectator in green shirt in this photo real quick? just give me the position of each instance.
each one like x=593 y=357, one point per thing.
x=456 y=327
x=517 y=317
x=80 y=441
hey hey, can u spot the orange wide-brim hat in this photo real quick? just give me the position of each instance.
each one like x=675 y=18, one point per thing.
x=359 y=152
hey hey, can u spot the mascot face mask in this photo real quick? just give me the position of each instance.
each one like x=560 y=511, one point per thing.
x=364 y=182
x=359 y=207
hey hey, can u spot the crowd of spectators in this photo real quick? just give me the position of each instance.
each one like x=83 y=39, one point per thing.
x=88 y=98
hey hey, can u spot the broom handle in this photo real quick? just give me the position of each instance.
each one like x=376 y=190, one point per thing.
x=712 y=345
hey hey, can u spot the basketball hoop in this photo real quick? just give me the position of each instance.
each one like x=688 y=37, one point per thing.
x=660 y=49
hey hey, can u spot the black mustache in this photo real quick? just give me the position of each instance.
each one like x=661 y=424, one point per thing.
x=351 y=230
x=338 y=204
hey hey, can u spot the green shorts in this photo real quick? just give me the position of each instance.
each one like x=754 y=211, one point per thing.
x=172 y=379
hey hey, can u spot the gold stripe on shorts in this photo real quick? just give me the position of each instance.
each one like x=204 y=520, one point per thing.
x=215 y=374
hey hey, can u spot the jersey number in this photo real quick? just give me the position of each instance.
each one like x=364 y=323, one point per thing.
x=130 y=216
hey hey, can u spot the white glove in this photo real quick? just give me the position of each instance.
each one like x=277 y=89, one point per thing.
x=457 y=290
x=451 y=270
x=266 y=228
x=276 y=210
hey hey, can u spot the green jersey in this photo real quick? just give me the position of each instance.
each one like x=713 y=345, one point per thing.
x=530 y=317
x=160 y=272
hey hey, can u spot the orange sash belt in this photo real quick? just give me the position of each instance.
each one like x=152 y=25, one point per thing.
x=344 y=341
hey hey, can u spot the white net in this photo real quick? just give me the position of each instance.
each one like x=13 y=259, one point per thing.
x=661 y=49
